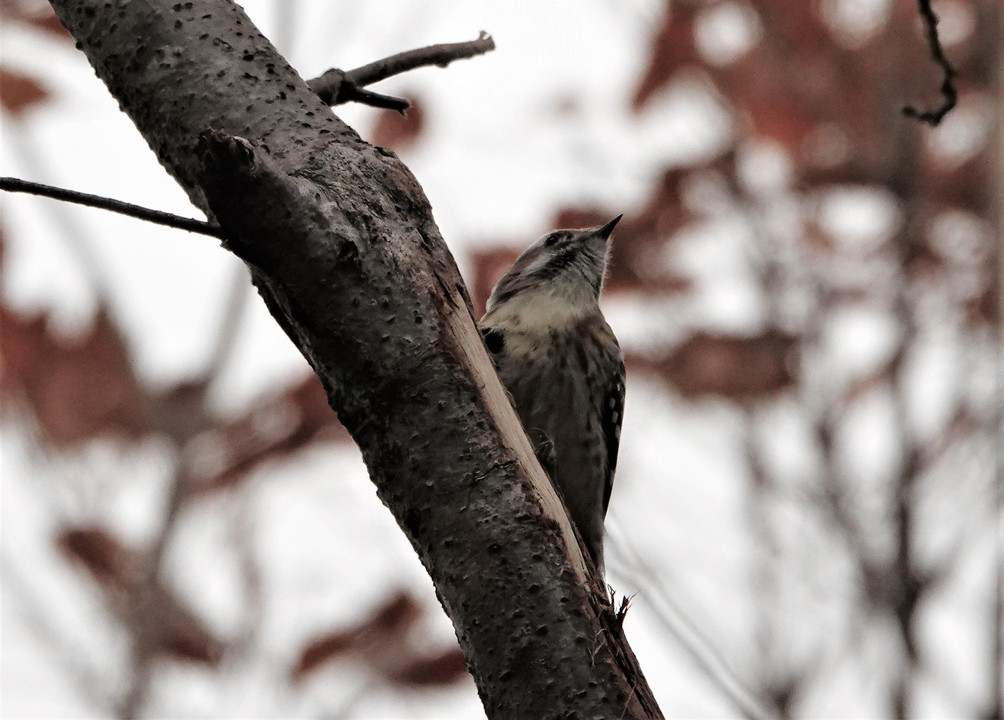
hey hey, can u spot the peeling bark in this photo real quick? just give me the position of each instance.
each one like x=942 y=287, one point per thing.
x=343 y=248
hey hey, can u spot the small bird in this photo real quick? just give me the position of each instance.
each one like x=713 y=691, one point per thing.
x=563 y=368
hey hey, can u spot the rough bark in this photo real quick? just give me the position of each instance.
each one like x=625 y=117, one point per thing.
x=343 y=249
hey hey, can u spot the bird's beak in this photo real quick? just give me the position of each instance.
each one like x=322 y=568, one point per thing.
x=606 y=230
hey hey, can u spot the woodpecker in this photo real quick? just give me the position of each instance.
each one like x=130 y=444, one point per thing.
x=563 y=368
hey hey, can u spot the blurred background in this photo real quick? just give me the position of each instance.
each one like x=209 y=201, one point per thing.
x=806 y=283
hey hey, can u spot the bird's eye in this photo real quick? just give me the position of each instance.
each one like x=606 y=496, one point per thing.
x=494 y=340
x=552 y=240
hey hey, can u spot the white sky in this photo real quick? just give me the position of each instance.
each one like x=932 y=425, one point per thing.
x=496 y=159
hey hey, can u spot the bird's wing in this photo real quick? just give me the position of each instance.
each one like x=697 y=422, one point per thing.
x=611 y=415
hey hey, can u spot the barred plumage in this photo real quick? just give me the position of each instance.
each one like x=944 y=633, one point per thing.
x=563 y=368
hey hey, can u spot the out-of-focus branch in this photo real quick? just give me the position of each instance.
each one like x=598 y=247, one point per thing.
x=997 y=648
x=241 y=532
x=31 y=608
x=230 y=322
x=778 y=685
x=949 y=93
x=141 y=624
x=669 y=612
x=335 y=86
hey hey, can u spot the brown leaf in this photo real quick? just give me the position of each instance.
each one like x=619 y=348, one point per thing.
x=180 y=411
x=737 y=368
x=395 y=617
x=673 y=48
x=866 y=385
x=168 y=628
x=799 y=78
x=275 y=427
x=77 y=389
x=383 y=637
x=396 y=131
x=444 y=669
x=316 y=414
x=322 y=650
x=796 y=25
x=153 y=615
x=970 y=186
x=985 y=308
x=578 y=217
x=19 y=92
x=46 y=21
x=110 y=563
x=193 y=643
x=489 y=266
x=778 y=118
x=38 y=15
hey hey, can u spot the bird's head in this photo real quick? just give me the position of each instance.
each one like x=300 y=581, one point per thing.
x=564 y=264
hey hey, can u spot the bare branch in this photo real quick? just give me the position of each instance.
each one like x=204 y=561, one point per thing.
x=948 y=92
x=144 y=649
x=336 y=86
x=157 y=217
x=438 y=55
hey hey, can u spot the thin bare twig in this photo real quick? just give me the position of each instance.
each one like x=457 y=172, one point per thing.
x=439 y=55
x=948 y=92
x=157 y=217
x=336 y=87
x=669 y=612
x=344 y=91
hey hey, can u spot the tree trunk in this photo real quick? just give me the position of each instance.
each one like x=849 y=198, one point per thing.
x=343 y=248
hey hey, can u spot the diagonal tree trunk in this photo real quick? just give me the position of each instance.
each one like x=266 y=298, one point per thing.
x=343 y=248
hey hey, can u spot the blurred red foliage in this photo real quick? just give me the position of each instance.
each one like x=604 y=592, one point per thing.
x=76 y=388
x=37 y=15
x=488 y=266
x=829 y=99
x=740 y=368
x=673 y=48
x=389 y=623
x=104 y=557
x=19 y=92
x=153 y=615
x=82 y=388
x=446 y=668
x=388 y=644
x=399 y=132
x=274 y=427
